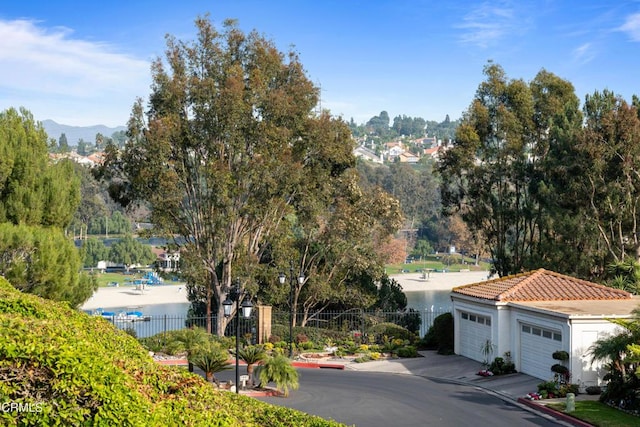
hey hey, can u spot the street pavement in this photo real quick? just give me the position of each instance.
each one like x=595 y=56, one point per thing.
x=461 y=370
x=454 y=369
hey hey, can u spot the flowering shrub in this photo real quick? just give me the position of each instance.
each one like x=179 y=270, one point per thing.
x=485 y=373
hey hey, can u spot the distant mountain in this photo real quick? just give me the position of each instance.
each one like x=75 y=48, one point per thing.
x=75 y=133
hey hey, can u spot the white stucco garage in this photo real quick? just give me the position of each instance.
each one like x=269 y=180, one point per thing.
x=532 y=315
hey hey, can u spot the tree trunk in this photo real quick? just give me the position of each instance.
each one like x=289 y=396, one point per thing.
x=250 y=373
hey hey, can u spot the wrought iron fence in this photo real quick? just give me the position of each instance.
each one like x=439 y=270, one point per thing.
x=360 y=321
x=416 y=321
x=153 y=325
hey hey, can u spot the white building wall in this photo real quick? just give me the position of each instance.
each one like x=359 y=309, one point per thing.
x=585 y=332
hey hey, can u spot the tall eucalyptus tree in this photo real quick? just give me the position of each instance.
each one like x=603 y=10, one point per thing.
x=225 y=151
x=496 y=173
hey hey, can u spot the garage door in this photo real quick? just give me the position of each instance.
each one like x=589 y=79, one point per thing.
x=537 y=345
x=475 y=330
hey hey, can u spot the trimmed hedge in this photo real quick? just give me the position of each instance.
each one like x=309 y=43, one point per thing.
x=74 y=369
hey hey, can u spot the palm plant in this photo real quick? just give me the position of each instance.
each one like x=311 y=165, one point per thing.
x=615 y=351
x=193 y=338
x=278 y=369
x=211 y=358
x=624 y=274
x=251 y=355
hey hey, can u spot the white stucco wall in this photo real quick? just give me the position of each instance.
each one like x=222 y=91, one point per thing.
x=584 y=333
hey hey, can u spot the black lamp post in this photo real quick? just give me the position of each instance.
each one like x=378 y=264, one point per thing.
x=282 y=278
x=235 y=295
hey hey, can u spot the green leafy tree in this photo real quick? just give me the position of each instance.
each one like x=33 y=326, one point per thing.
x=409 y=126
x=337 y=245
x=63 y=144
x=94 y=202
x=422 y=248
x=82 y=148
x=498 y=173
x=119 y=138
x=379 y=125
x=94 y=251
x=42 y=261
x=38 y=200
x=222 y=153
x=128 y=251
x=610 y=154
x=33 y=191
x=624 y=275
x=100 y=142
x=390 y=296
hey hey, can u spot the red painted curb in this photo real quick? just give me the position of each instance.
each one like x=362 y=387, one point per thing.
x=172 y=362
x=314 y=365
x=297 y=364
x=556 y=414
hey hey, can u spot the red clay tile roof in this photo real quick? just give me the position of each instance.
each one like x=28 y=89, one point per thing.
x=540 y=285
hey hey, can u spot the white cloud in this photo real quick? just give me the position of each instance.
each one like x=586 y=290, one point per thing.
x=59 y=77
x=584 y=53
x=487 y=24
x=631 y=26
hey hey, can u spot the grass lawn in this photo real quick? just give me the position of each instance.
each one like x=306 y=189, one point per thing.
x=442 y=262
x=599 y=414
x=122 y=279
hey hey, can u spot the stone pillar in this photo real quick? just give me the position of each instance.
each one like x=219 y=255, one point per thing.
x=264 y=323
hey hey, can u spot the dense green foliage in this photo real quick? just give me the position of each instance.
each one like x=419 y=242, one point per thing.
x=621 y=353
x=80 y=370
x=278 y=369
x=440 y=335
x=37 y=201
x=541 y=183
x=251 y=177
x=93 y=251
x=128 y=251
x=42 y=261
x=33 y=191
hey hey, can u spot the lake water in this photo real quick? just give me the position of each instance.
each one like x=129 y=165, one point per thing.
x=429 y=300
x=163 y=317
x=166 y=317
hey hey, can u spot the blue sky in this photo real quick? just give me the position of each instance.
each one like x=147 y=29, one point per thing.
x=85 y=63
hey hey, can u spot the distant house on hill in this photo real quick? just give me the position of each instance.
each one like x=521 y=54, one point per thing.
x=365 y=153
x=394 y=149
x=166 y=260
x=433 y=152
x=407 y=157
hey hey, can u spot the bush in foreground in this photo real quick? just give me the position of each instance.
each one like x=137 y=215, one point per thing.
x=74 y=369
